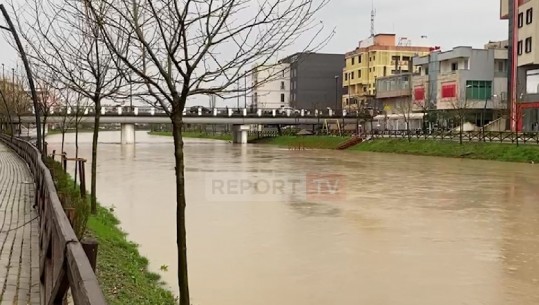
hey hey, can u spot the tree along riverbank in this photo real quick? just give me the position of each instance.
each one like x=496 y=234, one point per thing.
x=122 y=272
x=528 y=153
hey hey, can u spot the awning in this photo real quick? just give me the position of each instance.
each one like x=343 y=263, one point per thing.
x=411 y=116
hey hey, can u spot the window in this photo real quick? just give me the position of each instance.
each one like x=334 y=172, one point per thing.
x=282 y=85
x=529 y=16
x=352 y=75
x=519 y=47
x=532 y=81
x=282 y=97
x=449 y=90
x=478 y=90
x=419 y=93
x=283 y=73
x=528 y=45
x=385 y=71
x=359 y=74
x=364 y=89
x=520 y=20
x=500 y=66
x=454 y=66
x=353 y=60
x=427 y=71
x=345 y=76
x=359 y=59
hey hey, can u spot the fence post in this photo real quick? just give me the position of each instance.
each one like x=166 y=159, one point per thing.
x=89 y=245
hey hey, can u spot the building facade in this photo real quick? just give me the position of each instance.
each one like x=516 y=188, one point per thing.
x=525 y=30
x=315 y=81
x=300 y=81
x=271 y=86
x=375 y=57
x=464 y=80
x=394 y=100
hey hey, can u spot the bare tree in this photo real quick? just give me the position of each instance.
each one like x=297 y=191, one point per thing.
x=460 y=107
x=179 y=49
x=61 y=36
x=405 y=108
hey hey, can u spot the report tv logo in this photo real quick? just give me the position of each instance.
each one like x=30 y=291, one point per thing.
x=325 y=187
x=274 y=187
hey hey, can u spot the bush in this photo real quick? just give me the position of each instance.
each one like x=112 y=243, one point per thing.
x=77 y=207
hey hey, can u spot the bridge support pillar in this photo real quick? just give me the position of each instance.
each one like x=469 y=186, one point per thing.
x=240 y=133
x=128 y=133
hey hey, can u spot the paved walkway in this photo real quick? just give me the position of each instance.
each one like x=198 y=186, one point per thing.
x=19 y=235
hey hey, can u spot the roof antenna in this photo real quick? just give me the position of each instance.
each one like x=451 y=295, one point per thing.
x=373 y=14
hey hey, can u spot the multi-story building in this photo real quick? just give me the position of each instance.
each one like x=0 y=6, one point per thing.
x=271 y=85
x=301 y=81
x=377 y=56
x=463 y=79
x=314 y=80
x=525 y=29
x=394 y=103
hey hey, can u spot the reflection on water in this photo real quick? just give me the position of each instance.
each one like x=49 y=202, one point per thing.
x=411 y=230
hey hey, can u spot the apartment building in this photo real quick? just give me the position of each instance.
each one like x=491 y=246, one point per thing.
x=302 y=81
x=378 y=56
x=271 y=86
x=314 y=80
x=525 y=30
x=474 y=80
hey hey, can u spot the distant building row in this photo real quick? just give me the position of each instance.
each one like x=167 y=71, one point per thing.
x=384 y=74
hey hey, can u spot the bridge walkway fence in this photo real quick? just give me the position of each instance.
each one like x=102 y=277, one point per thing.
x=63 y=264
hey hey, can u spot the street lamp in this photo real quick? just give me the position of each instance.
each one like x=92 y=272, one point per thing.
x=336 y=92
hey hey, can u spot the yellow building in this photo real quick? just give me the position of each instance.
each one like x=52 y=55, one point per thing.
x=375 y=57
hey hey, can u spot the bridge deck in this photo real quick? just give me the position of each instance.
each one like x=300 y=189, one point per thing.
x=19 y=235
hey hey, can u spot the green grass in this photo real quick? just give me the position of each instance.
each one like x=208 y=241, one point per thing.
x=312 y=142
x=121 y=270
x=475 y=150
x=194 y=134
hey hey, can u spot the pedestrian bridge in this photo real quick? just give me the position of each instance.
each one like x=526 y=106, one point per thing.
x=239 y=118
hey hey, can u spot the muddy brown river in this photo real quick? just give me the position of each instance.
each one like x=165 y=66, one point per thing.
x=270 y=226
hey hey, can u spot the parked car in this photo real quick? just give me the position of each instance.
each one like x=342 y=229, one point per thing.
x=194 y=110
x=283 y=110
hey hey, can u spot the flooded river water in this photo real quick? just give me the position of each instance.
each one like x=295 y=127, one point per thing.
x=401 y=230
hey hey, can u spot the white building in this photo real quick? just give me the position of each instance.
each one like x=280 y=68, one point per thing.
x=271 y=86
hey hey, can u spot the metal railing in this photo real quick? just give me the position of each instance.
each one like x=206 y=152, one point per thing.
x=202 y=112
x=63 y=263
x=472 y=136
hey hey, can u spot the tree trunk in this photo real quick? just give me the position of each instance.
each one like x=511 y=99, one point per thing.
x=76 y=146
x=181 y=239
x=93 y=195
x=461 y=130
x=44 y=129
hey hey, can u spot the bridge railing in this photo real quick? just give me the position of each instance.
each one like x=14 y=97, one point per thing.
x=204 y=112
x=63 y=264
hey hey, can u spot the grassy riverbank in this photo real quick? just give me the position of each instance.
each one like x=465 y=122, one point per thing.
x=469 y=150
x=451 y=149
x=310 y=142
x=194 y=134
x=121 y=270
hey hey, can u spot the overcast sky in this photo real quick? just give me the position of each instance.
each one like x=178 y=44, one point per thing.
x=446 y=23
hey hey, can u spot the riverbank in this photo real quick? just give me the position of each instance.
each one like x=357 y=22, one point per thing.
x=308 y=142
x=122 y=272
x=194 y=134
x=469 y=150
x=450 y=149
